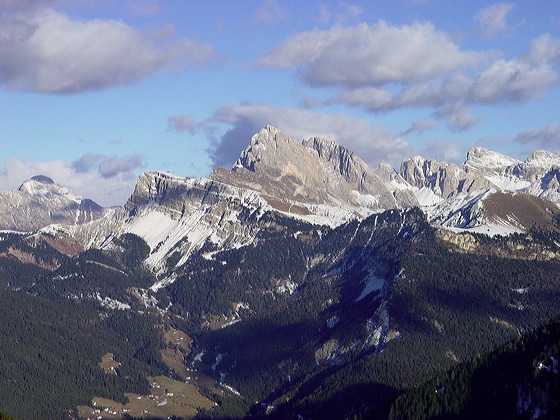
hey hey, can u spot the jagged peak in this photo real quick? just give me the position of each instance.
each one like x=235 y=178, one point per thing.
x=543 y=158
x=268 y=137
x=158 y=175
x=416 y=160
x=270 y=134
x=384 y=166
x=326 y=148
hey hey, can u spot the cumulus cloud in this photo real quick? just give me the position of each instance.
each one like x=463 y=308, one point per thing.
x=371 y=143
x=182 y=123
x=87 y=162
x=492 y=19
x=112 y=166
x=88 y=176
x=46 y=51
x=107 y=166
x=510 y=81
x=382 y=68
x=366 y=55
x=547 y=137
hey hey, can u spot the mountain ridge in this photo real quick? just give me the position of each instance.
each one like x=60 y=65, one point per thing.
x=314 y=180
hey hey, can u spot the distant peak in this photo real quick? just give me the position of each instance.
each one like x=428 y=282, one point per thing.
x=42 y=179
x=543 y=158
x=486 y=159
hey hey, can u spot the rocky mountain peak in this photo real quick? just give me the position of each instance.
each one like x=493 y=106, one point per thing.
x=39 y=202
x=544 y=159
x=342 y=160
x=43 y=186
x=266 y=146
x=487 y=162
x=314 y=171
x=156 y=187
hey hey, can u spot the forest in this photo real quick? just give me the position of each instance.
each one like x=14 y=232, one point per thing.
x=355 y=321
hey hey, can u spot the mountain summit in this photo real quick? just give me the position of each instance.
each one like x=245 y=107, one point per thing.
x=39 y=201
x=315 y=172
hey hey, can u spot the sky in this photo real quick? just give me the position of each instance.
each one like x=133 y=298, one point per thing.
x=95 y=92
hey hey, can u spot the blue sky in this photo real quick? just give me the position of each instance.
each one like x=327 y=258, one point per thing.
x=94 y=92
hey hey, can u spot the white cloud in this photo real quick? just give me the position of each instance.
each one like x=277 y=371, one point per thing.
x=47 y=51
x=107 y=166
x=492 y=19
x=383 y=67
x=371 y=143
x=511 y=81
x=545 y=49
x=88 y=179
x=365 y=55
x=371 y=98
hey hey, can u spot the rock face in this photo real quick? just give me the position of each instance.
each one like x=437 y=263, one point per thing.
x=39 y=202
x=538 y=175
x=177 y=216
x=313 y=172
x=487 y=162
x=443 y=179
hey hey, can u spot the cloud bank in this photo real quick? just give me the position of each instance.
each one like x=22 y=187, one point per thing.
x=46 y=51
x=383 y=67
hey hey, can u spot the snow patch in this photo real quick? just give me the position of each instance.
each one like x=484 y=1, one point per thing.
x=508 y=182
x=373 y=283
x=107 y=302
x=426 y=197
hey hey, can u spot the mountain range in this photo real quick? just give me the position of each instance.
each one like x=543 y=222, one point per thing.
x=305 y=282
x=316 y=181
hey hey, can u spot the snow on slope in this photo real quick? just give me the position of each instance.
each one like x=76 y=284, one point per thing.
x=373 y=283
x=426 y=197
x=508 y=182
